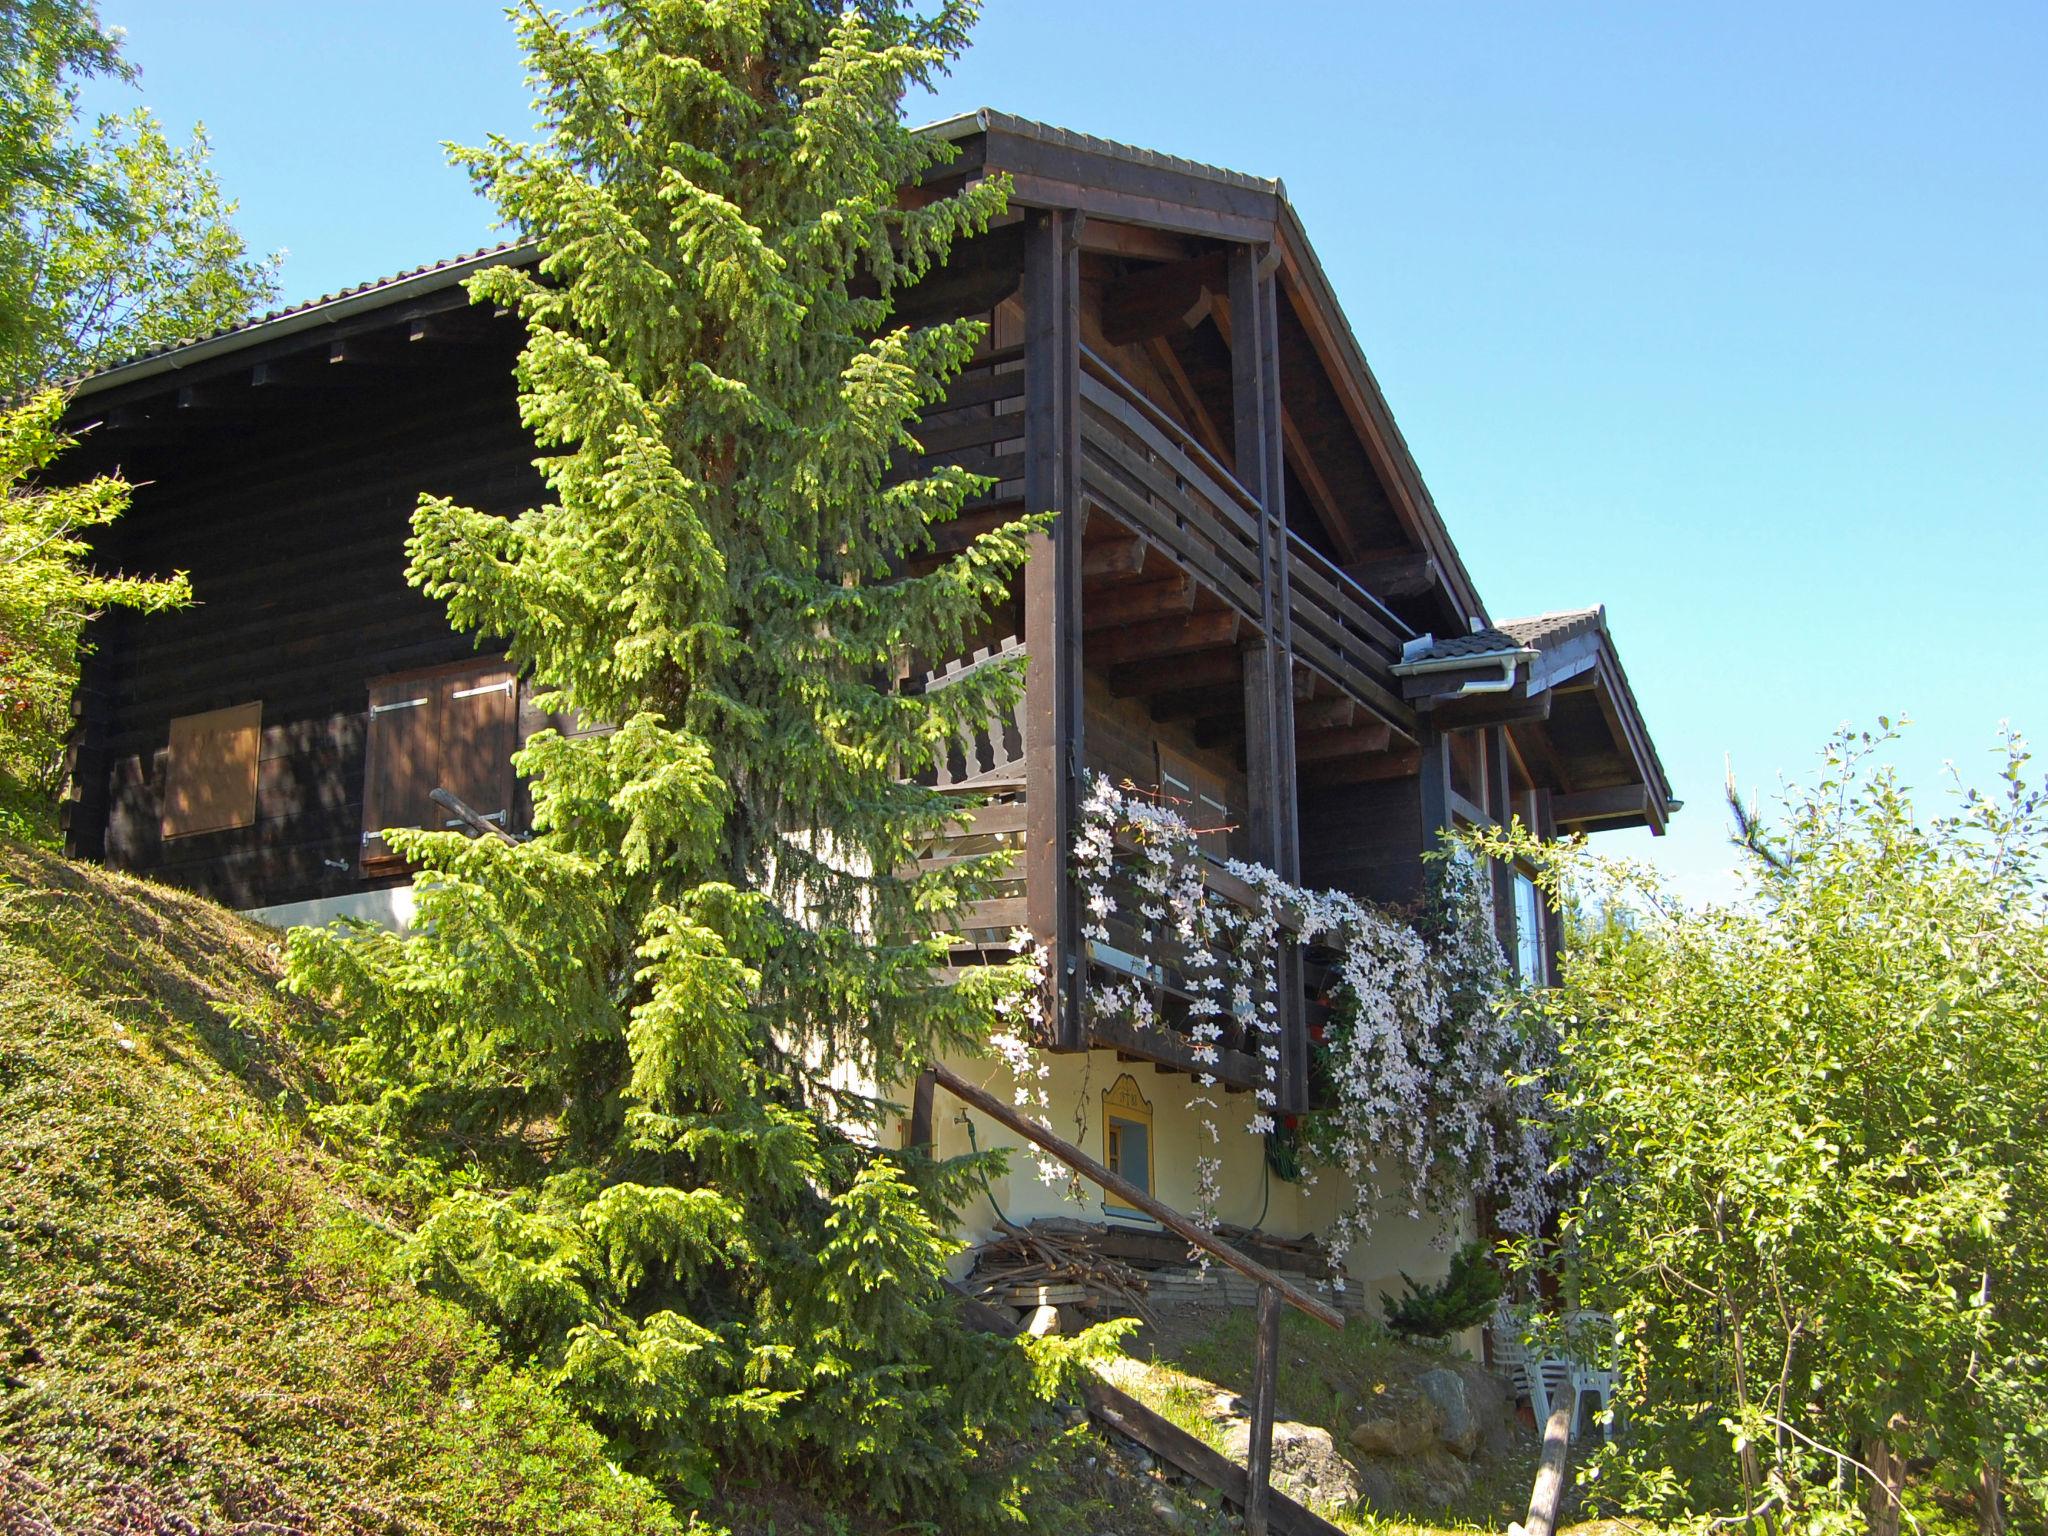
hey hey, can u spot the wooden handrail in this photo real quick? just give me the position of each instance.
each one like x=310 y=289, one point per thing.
x=1177 y=436
x=1116 y=1184
x=1330 y=571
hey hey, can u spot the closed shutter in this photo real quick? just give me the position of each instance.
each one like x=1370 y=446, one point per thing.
x=400 y=761
x=479 y=731
x=210 y=783
x=451 y=728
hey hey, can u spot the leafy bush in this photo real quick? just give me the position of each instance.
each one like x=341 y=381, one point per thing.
x=1462 y=1299
x=1814 y=1192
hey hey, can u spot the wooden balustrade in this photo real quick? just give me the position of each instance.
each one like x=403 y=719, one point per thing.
x=1141 y=468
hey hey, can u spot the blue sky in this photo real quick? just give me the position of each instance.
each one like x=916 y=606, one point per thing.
x=1734 y=318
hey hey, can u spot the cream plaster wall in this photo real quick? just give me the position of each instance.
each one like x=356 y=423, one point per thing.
x=1074 y=1090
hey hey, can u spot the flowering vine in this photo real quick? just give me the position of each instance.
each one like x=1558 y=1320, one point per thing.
x=1430 y=1079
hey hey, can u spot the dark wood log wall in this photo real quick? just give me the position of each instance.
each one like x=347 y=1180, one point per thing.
x=292 y=523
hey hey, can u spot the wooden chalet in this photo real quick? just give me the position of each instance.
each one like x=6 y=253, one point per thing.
x=1249 y=599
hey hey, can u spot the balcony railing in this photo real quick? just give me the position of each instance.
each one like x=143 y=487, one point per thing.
x=1142 y=468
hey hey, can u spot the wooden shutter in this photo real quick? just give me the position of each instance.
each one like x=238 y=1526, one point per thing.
x=211 y=782
x=400 y=768
x=479 y=731
x=452 y=728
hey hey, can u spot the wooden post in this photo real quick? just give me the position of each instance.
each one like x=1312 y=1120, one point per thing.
x=1269 y=660
x=1435 y=775
x=1548 y=1494
x=1544 y=825
x=1052 y=617
x=1494 y=753
x=921 y=1135
x=1265 y=1374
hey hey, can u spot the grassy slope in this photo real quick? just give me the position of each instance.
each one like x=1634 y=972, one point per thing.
x=196 y=1336
x=192 y=1334
x=195 y=1330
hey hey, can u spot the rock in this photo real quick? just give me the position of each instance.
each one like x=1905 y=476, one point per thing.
x=1042 y=1321
x=1398 y=1430
x=1445 y=1479
x=1306 y=1462
x=1493 y=1406
x=1167 y=1513
x=1456 y=1425
x=1071 y=1320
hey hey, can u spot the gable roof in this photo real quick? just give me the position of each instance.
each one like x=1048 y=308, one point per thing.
x=1051 y=167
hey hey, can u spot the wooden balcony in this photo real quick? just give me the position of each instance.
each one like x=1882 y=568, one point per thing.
x=1168 y=583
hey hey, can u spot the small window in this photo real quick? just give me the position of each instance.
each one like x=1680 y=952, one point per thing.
x=452 y=728
x=1199 y=794
x=1529 y=917
x=210 y=785
x=1127 y=1136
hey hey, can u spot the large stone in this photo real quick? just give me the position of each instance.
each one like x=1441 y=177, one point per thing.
x=1456 y=1424
x=1042 y=1321
x=1492 y=1401
x=1306 y=1463
x=1398 y=1430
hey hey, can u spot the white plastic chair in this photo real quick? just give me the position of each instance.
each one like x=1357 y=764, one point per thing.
x=1508 y=1351
x=1592 y=1337
x=1546 y=1379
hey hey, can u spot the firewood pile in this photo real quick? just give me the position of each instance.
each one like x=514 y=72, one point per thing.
x=1056 y=1265
x=1060 y=1262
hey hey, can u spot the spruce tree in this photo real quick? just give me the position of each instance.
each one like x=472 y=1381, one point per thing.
x=638 y=1039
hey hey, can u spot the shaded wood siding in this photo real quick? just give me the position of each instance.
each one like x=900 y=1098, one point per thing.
x=1365 y=839
x=1120 y=738
x=293 y=528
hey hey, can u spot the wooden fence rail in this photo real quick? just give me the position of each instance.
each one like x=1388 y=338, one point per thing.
x=1273 y=1289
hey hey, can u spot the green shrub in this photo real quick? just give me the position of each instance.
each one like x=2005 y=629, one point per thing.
x=1462 y=1299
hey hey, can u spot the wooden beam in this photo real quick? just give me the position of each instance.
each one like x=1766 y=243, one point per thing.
x=1328 y=504
x=1409 y=574
x=1160 y=638
x=1347 y=741
x=1114 y=557
x=1405 y=764
x=1188 y=399
x=978 y=276
x=1201 y=674
x=1139 y=603
x=1514 y=708
x=1159 y=299
x=307 y=371
x=451 y=327
x=1601 y=804
x=1313 y=714
x=1109 y=238
x=1138 y=1199
x=1053 y=709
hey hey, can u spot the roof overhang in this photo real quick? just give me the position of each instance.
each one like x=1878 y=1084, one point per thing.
x=1556 y=683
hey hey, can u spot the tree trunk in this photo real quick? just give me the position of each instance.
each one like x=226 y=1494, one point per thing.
x=1884 y=1507
x=1990 y=1501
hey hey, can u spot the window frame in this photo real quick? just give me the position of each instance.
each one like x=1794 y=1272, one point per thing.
x=1124 y=1105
